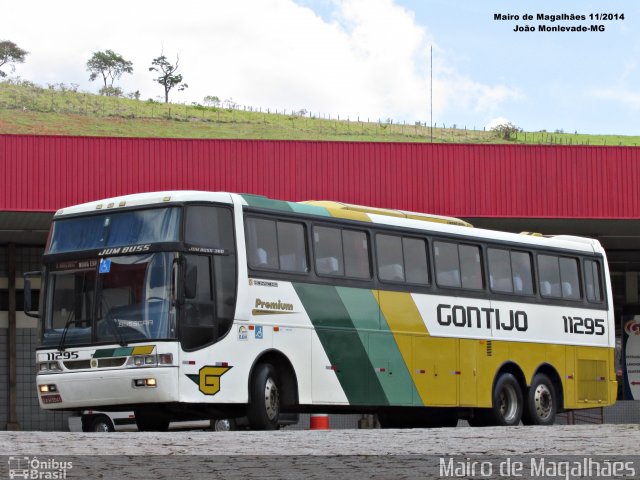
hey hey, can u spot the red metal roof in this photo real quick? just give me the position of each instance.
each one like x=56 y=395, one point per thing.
x=49 y=172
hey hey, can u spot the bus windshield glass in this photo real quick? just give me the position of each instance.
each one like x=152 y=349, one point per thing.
x=120 y=300
x=115 y=229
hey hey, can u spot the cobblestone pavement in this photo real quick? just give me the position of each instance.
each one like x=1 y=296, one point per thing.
x=353 y=454
x=555 y=440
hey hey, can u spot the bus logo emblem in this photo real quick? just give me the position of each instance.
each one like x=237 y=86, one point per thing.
x=208 y=379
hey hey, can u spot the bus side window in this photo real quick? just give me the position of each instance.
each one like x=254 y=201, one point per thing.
x=470 y=267
x=262 y=245
x=593 y=281
x=390 y=262
x=500 y=277
x=447 y=264
x=570 y=278
x=415 y=260
x=522 y=273
x=328 y=251
x=292 y=249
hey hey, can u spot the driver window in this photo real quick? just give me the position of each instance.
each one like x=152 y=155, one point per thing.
x=198 y=326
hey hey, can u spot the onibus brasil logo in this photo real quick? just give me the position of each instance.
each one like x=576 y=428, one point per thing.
x=35 y=468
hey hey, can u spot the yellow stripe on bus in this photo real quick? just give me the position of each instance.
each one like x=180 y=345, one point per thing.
x=143 y=350
x=405 y=322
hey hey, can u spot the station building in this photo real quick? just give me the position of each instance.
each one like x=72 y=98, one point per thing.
x=578 y=190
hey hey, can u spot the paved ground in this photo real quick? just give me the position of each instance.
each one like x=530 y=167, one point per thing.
x=349 y=454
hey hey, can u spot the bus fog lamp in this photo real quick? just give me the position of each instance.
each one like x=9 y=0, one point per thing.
x=144 y=383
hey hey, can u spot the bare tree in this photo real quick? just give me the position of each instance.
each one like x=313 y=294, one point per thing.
x=169 y=77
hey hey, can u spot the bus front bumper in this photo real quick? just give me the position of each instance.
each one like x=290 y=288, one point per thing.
x=113 y=387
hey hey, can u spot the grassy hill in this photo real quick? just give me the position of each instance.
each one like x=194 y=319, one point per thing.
x=26 y=108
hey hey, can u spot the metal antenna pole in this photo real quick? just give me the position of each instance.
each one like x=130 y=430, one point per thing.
x=431 y=97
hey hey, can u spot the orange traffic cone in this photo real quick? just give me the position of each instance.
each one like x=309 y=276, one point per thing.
x=319 y=421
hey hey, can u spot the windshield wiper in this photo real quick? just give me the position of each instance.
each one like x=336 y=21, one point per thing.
x=67 y=324
x=112 y=322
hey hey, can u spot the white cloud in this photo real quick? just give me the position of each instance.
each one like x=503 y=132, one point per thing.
x=624 y=96
x=494 y=122
x=369 y=60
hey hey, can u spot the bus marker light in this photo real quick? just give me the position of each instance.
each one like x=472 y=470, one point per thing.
x=188 y=362
x=421 y=371
x=222 y=364
x=276 y=329
x=570 y=377
x=252 y=327
x=167 y=359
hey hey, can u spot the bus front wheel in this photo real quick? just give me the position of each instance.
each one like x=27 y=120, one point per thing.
x=264 y=407
x=541 y=404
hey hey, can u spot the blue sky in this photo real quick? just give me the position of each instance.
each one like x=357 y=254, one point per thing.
x=356 y=58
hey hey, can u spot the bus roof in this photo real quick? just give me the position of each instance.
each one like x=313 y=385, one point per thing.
x=390 y=217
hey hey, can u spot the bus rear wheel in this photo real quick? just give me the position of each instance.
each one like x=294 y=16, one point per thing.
x=507 y=401
x=541 y=406
x=507 y=405
x=264 y=407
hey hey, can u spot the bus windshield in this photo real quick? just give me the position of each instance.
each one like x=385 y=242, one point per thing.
x=115 y=229
x=118 y=300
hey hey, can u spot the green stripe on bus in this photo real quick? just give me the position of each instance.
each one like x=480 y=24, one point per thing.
x=310 y=209
x=390 y=367
x=342 y=344
x=264 y=202
x=113 y=352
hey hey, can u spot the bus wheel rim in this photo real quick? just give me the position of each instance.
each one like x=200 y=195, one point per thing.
x=543 y=401
x=272 y=399
x=508 y=403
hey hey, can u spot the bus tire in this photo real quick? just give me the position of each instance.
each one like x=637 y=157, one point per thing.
x=223 y=425
x=541 y=405
x=102 y=424
x=264 y=407
x=507 y=403
x=148 y=421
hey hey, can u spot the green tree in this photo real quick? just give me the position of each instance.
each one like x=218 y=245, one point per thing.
x=110 y=66
x=10 y=53
x=506 y=130
x=168 y=77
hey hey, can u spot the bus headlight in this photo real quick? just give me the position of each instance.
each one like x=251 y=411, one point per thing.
x=142 y=361
x=44 y=367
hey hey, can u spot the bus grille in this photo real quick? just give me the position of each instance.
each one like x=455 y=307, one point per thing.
x=102 y=363
x=77 y=364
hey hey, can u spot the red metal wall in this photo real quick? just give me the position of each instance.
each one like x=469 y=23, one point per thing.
x=50 y=172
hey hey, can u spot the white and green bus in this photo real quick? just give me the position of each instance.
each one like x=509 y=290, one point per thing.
x=184 y=304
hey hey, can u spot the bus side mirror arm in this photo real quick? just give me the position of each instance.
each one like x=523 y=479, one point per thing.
x=28 y=308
